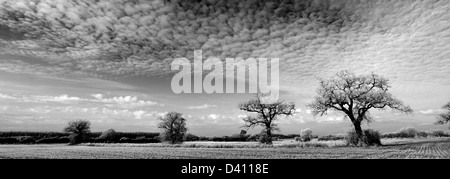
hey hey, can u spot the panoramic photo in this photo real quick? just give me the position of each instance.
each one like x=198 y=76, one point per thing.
x=224 y=79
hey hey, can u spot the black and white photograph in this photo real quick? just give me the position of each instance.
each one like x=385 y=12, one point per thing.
x=224 y=79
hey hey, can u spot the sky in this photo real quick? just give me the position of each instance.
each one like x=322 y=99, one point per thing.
x=109 y=61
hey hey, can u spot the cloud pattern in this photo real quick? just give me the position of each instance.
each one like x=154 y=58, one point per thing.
x=310 y=37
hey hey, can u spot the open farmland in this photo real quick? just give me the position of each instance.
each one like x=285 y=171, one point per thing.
x=412 y=148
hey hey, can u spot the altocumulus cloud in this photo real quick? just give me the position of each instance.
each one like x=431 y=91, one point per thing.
x=312 y=36
x=95 y=114
x=117 y=101
x=205 y=106
x=34 y=109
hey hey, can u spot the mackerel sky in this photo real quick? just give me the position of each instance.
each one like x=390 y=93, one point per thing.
x=109 y=61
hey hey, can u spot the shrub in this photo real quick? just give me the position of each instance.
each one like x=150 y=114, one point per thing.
x=407 y=132
x=238 y=137
x=191 y=137
x=74 y=139
x=370 y=137
x=8 y=140
x=233 y=138
x=264 y=139
x=78 y=138
x=253 y=137
x=439 y=133
x=422 y=134
x=64 y=139
x=391 y=135
x=306 y=135
x=293 y=136
x=205 y=139
x=25 y=139
x=281 y=136
x=132 y=135
x=124 y=140
x=330 y=138
x=313 y=144
x=352 y=138
x=108 y=136
x=143 y=139
x=53 y=140
x=36 y=135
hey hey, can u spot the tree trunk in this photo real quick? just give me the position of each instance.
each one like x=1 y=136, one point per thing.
x=358 y=129
x=269 y=135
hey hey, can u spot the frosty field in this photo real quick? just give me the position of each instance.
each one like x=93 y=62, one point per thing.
x=403 y=149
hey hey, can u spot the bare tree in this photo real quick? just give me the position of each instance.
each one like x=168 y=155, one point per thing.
x=173 y=126
x=79 y=129
x=355 y=96
x=444 y=117
x=266 y=114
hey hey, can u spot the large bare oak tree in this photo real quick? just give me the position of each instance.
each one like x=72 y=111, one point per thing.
x=355 y=95
x=266 y=114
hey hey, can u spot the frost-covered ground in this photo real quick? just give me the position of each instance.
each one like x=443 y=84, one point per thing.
x=410 y=148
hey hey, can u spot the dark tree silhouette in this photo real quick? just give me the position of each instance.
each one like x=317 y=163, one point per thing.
x=444 y=117
x=173 y=126
x=243 y=133
x=266 y=115
x=355 y=96
x=79 y=130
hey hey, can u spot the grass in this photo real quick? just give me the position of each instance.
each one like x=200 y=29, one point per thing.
x=393 y=148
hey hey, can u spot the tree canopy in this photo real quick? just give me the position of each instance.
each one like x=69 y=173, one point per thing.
x=266 y=114
x=173 y=126
x=78 y=127
x=79 y=130
x=444 y=117
x=355 y=95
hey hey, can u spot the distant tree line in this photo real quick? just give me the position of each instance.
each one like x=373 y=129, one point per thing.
x=110 y=136
x=120 y=137
x=64 y=138
x=410 y=132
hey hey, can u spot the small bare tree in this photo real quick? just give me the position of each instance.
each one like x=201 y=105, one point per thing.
x=173 y=127
x=444 y=117
x=266 y=115
x=355 y=96
x=79 y=130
